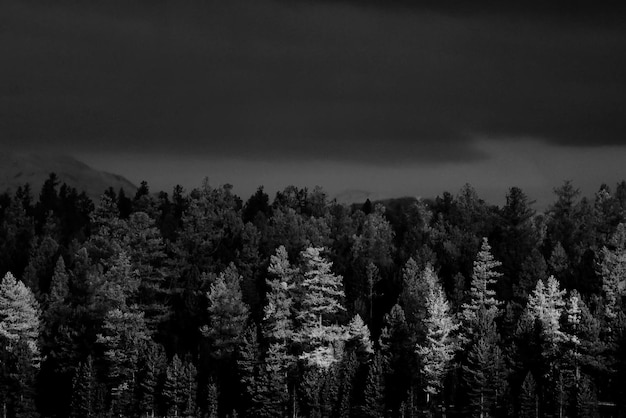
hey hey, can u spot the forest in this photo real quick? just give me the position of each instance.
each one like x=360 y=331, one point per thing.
x=200 y=304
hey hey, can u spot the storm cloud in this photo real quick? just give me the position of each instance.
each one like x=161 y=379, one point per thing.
x=266 y=80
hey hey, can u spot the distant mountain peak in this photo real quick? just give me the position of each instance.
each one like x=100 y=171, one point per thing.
x=19 y=168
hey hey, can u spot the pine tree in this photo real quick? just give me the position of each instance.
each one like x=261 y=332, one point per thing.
x=586 y=399
x=347 y=372
x=359 y=334
x=310 y=385
x=41 y=265
x=484 y=371
x=146 y=251
x=173 y=387
x=59 y=286
x=416 y=284
x=373 y=394
x=278 y=331
x=273 y=379
x=23 y=373
x=613 y=272
x=546 y=306
x=372 y=250
x=189 y=390
x=322 y=297
x=398 y=348
x=211 y=401
x=482 y=295
x=83 y=391
x=19 y=314
x=248 y=358
x=152 y=366
x=277 y=322
x=329 y=391
x=123 y=337
x=529 y=399
x=227 y=313
x=438 y=350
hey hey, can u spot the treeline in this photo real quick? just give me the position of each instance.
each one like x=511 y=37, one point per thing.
x=198 y=304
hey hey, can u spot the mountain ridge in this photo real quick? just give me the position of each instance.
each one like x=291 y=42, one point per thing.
x=19 y=168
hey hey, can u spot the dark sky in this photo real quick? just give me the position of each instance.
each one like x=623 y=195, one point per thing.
x=321 y=92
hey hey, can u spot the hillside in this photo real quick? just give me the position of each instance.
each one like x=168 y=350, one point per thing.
x=16 y=169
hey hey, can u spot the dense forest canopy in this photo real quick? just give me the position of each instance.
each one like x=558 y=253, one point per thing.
x=198 y=304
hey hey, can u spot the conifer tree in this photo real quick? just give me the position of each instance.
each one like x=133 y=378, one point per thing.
x=359 y=334
x=278 y=322
x=211 y=401
x=482 y=295
x=347 y=372
x=19 y=315
x=146 y=251
x=484 y=369
x=38 y=273
x=152 y=366
x=83 y=391
x=189 y=390
x=586 y=399
x=402 y=370
x=23 y=374
x=123 y=337
x=173 y=389
x=273 y=380
x=329 y=391
x=55 y=317
x=529 y=399
x=415 y=288
x=546 y=306
x=248 y=358
x=59 y=286
x=310 y=392
x=373 y=394
x=227 y=313
x=613 y=272
x=322 y=292
x=438 y=350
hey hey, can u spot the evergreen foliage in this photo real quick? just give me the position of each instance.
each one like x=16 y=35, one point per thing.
x=198 y=305
x=438 y=350
x=482 y=293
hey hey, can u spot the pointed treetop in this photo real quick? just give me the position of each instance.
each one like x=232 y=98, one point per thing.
x=19 y=313
x=484 y=276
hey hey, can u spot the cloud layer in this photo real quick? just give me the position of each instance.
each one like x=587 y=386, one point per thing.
x=288 y=81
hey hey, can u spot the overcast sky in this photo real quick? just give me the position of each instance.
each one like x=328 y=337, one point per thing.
x=394 y=98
